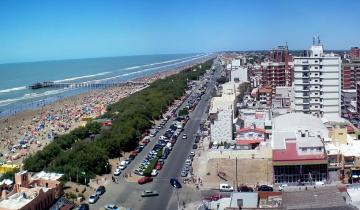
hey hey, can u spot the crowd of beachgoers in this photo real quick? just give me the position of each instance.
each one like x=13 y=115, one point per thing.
x=28 y=131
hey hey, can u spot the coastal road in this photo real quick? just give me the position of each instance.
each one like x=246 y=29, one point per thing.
x=128 y=194
x=176 y=161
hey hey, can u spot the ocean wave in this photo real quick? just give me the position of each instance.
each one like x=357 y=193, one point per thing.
x=13 y=89
x=159 y=63
x=31 y=96
x=81 y=77
x=148 y=69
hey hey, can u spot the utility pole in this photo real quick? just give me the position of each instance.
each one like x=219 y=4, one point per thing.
x=236 y=172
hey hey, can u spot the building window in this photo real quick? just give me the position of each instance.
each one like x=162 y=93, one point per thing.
x=316 y=67
x=316 y=80
x=316 y=93
x=316 y=106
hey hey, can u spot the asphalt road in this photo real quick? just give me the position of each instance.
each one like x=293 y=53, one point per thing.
x=128 y=194
x=177 y=159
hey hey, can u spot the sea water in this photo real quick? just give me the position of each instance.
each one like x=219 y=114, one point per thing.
x=15 y=78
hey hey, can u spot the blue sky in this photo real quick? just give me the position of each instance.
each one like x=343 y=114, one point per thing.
x=47 y=30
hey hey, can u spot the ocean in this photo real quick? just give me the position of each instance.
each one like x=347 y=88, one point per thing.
x=15 y=78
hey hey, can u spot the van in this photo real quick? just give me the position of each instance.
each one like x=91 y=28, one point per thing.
x=226 y=188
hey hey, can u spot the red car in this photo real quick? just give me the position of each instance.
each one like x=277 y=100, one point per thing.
x=145 y=180
x=214 y=197
x=133 y=153
x=158 y=166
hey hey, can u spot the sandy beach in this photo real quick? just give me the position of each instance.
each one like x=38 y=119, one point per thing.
x=36 y=127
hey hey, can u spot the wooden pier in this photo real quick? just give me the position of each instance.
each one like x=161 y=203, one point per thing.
x=83 y=85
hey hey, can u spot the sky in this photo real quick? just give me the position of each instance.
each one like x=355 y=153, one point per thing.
x=32 y=30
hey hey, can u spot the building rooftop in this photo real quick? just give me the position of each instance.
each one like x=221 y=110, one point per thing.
x=20 y=199
x=47 y=176
x=286 y=126
x=322 y=198
x=291 y=154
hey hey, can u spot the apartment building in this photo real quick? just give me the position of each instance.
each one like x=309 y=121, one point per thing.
x=354 y=53
x=317 y=83
x=358 y=98
x=350 y=74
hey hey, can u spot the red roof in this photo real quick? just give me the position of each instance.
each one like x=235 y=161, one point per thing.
x=259 y=130
x=290 y=154
x=265 y=195
x=350 y=129
x=247 y=142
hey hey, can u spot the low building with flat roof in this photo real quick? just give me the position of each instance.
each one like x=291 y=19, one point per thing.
x=298 y=149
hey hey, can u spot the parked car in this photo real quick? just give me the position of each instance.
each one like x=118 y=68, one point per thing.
x=158 y=166
x=281 y=187
x=83 y=206
x=111 y=207
x=149 y=193
x=100 y=190
x=93 y=198
x=192 y=153
x=184 y=136
x=214 y=197
x=195 y=146
x=117 y=172
x=145 y=180
x=184 y=173
x=244 y=188
x=226 y=188
x=154 y=172
x=265 y=188
x=175 y=183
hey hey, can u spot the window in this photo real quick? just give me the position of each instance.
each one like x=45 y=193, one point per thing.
x=316 y=67
x=316 y=106
x=316 y=80
x=316 y=61
x=316 y=93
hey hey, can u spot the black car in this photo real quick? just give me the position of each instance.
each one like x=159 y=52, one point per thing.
x=84 y=206
x=265 y=188
x=131 y=157
x=195 y=146
x=175 y=183
x=100 y=190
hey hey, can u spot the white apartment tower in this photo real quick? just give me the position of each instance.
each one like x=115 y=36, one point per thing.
x=317 y=83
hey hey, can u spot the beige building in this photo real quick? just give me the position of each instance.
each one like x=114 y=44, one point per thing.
x=38 y=191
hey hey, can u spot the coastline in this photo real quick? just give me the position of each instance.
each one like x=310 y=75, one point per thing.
x=34 y=126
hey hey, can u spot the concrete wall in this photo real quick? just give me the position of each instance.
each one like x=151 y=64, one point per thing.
x=264 y=152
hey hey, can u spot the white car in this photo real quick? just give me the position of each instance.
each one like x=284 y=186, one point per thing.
x=122 y=167
x=154 y=172
x=93 y=198
x=184 y=136
x=281 y=187
x=117 y=172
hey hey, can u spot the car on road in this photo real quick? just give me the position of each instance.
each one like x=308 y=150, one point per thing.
x=83 y=206
x=145 y=180
x=192 y=153
x=175 y=183
x=281 y=187
x=214 y=197
x=158 y=166
x=93 y=198
x=195 y=146
x=188 y=162
x=184 y=173
x=117 y=172
x=149 y=193
x=111 y=207
x=265 y=188
x=184 y=136
x=100 y=190
x=244 y=188
x=226 y=188
x=154 y=172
